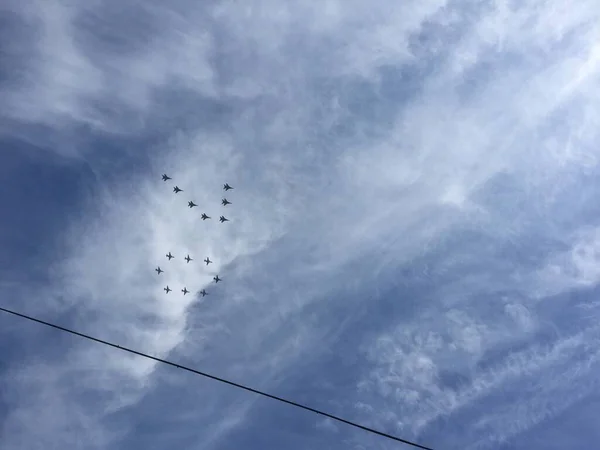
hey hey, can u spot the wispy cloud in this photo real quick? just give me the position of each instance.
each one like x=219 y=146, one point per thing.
x=344 y=178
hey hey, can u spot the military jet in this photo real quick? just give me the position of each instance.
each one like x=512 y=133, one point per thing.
x=226 y=187
x=185 y=291
x=204 y=216
x=207 y=261
x=188 y=259
x=177 y=190
x=225 y=202
x=159 y=270
x=217 y=279
x=167 y=290
x=203 y=292
x=191 y=204
x=165 y=177
x=168 y=255
x=223 y=219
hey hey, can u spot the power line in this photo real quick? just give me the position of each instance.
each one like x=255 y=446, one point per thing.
x=222 y=380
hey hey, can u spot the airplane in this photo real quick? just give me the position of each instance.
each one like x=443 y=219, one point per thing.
x=191 y=204
x=159 y=270
x=207 y=261
x=226 y=187
x=168 y=255
x=167 y=290
x=165 y=177
x=225 y=202
x=223 y=219
x=203 y=292
x=204 y=216
x=185 y=291
x=177 y=190
x=217 y=279
x=188 y=259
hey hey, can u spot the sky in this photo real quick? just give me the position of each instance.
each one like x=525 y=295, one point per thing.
x=414 y=234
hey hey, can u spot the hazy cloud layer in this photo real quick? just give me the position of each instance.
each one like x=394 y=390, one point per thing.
x=412 y=236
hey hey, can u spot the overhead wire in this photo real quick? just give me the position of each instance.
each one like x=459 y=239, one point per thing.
x=219 y=379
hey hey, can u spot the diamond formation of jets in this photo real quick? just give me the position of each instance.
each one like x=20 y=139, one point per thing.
x=204 y=216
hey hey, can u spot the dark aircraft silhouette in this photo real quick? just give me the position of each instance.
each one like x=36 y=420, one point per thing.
x=159 y=270
x=207 y=261
x=191 y=204
x=167 y=290
x=203 y=292
x=177 y=190
x=204 y=216
x=188 y=259
x=168 y=255
x=223 y=219
x=185 y=291
x=226 y=187
x=165 y=177
x=217 y=279
x=225 y=202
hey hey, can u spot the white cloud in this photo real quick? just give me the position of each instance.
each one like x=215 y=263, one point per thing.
x=70 y=80
x=319 y=186
x=410 y=382
x=578 y=267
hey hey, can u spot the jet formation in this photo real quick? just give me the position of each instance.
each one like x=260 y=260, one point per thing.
x=203 y=216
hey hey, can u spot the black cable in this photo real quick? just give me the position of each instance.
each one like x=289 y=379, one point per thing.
x=231 y=383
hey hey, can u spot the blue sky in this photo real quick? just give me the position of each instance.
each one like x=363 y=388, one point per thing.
x=414 y=240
